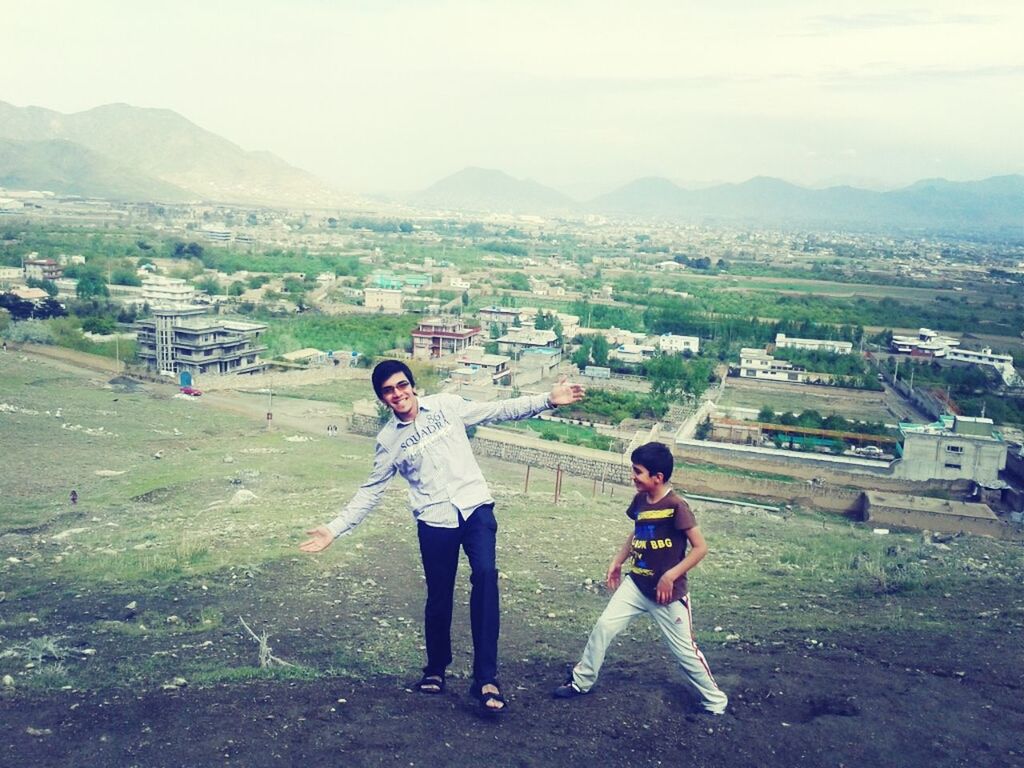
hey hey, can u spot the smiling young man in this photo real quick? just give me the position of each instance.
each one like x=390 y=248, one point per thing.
x=425 y=442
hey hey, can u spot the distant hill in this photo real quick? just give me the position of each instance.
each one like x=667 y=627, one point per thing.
x=161 y=155
x=71 y=169
x=995 y=204
x=481 y=189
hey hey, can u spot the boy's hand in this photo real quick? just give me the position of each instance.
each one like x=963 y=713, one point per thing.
x=321 y=539
x=614 y=576
x=564 y=393
x=664 y=593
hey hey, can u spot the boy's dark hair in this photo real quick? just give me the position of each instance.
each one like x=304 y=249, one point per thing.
x=655 y=458
x=385 y=369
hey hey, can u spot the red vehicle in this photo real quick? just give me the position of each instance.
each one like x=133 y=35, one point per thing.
x=191 y=391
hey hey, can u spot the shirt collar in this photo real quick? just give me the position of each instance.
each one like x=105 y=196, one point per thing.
x=399 y=423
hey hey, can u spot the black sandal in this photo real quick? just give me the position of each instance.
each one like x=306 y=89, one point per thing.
x=432 y=685
x=485 y=698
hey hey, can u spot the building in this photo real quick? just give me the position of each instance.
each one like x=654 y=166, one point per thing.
x=383 y=299
x=1002 y=363
x=176 y=340
x=543 y=359
x=518 y=340
x=758 y=364
x=927 y=343
x=168 y=292
x=496 y=366
x=952 y=448
x=814 y=345
x=632 y=353
x=670 y=343
x=503 y=317
x=42 y=269
x=440 y=336
x=306 y=356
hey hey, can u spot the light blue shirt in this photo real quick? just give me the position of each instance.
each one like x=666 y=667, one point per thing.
x=433 y=454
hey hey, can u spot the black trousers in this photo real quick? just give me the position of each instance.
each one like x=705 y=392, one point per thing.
x=439 y=549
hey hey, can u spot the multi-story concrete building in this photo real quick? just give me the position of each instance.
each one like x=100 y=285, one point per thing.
x=496 y=366
x=503 y=317
x=814 y=345
x=670 y=343
x=517 y=340
x=383 y=299
x=758 y=364
x=953 y=448
x=168 y=292
x=42 y=269
x=176 y=340
x=927 y=343
x=440 y=336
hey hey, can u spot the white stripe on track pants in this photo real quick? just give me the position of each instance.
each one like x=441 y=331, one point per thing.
x=675 y=622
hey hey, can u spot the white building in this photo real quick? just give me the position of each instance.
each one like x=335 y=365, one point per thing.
x=953 y=448
x=758 y=364
x=927 y=343
x=518 y=340
x=1002 y=363
x=632 y=353
x=673 y=344
x=168 y=292
x=814 y=345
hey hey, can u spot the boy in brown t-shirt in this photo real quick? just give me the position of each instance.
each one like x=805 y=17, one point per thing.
x=663 y=527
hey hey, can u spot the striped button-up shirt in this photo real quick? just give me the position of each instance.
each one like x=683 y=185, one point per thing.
x=433 y=454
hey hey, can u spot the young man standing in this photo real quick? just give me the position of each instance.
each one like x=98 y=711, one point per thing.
x=425 y=442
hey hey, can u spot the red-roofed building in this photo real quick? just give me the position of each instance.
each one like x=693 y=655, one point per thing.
x=440 y=336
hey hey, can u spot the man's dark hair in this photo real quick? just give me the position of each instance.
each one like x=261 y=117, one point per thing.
x=655 y=458
x=385 y=369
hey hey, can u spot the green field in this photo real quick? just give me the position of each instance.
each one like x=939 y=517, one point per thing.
x=160 y=524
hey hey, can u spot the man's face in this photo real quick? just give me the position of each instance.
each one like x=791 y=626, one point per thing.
x=396 y=393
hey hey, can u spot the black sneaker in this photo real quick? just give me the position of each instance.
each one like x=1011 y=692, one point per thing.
x=568 y=690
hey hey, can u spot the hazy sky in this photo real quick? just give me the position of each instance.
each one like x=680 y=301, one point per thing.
x=392 y=95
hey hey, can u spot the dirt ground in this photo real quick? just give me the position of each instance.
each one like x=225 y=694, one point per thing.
x=891 y=699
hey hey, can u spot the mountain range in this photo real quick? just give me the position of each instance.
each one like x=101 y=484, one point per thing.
x=991 y=205
x=121 y=152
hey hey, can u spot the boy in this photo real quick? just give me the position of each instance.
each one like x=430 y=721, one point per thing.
x=664 y=525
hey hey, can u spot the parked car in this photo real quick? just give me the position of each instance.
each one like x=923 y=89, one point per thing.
x=191 y=391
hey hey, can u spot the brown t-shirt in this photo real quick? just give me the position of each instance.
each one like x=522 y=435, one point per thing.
x=659 y=541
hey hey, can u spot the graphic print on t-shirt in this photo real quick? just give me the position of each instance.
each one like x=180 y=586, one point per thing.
x=659 y=541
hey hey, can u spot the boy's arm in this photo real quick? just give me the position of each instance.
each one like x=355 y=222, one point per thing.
x=614 y=576
x=562 y=393
x=362 y=503
x=698 y=548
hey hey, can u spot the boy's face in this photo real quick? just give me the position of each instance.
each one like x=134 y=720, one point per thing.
x=644 y=482
x=396 y=393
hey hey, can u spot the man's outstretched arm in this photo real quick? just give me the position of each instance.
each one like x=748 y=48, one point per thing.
x=362 y=503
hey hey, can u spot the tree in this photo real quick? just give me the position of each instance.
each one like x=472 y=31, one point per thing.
x=667 y=375
x=237 y=288
x=18 y=308
x=766 y=415
x=208 y=285
x=91 y=283
x=465 y=298
x=599 y=351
